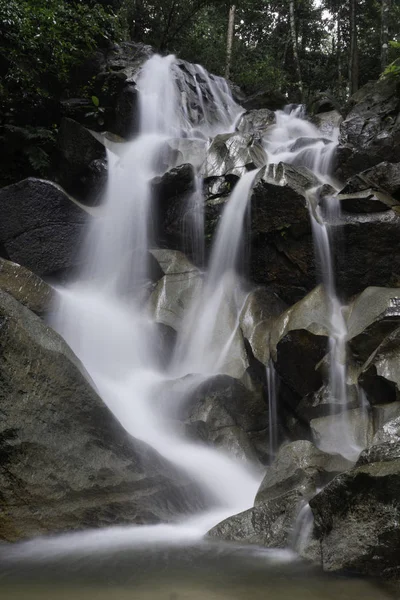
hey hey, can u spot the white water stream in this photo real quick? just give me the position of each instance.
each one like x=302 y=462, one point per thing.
x=296 y=141
x=104 y=319
x=105 y=322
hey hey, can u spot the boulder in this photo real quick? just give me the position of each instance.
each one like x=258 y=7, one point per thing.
x=384 y=177
x=175 y=292
x=300 y=465
x=233 y=154
x=290 y=481
x=262 y=306
x=370 y=318
x=282 y=252
x=256 y=122
x=82 y=165
x=236 y=417
x=360 y=263
x=268 y=524
x=115 y=86
x=380 y=375
x=66 y=462
x=370 y=132
x=26 y=287
x=366 y=201
x=347 y=432
x=299 y=340
x=40 y=226
x=357 y=515
x=328 y=122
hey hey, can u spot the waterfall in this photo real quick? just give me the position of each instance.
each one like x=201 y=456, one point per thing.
x=104 y=319
x=296 y=141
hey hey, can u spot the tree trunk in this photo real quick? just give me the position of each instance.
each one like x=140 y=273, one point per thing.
x=229 y=40
x=295 y=49
x=339 y=53
x=353 y=59
x=385 y=8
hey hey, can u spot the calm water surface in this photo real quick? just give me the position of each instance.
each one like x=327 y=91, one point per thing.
x=201 y=571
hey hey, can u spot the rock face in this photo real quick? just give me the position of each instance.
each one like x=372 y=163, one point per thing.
x=66 y=463
x=82 y=168
x=235 y=417
x=40 y=226
x=357 y=516
x=24 y=286
x=282 y=254
x=233 y=154
x=294 y=477
x=370 y=132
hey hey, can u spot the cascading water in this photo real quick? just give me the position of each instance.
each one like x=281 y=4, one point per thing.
x=103 y=317
x=296 y=141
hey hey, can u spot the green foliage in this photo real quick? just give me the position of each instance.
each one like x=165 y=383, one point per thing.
x=41 y=41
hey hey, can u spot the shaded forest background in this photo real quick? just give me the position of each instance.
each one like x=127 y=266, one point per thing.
x=296 y=47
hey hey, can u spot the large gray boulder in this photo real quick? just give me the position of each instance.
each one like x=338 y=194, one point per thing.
x=384 y=177
x=359 y=263
x=370 y=132
x=25 y=286
x=233 y=154
x=235 y=417
x=40 y=226
x=256 y=122
x=299 y=469
x=66 y=462
x=357 y=516
x=282 y=252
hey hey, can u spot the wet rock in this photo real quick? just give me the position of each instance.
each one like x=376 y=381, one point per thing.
x=292 y=479
x=384 y=177
x=348 y=431
x=24 y=286
x=300 y=466
x=360 y=263
x=382 y=414
x=67 y=464
x=282 y=253
x=366 y=201
x=299 y=342
x=328 y=122
x=380 y=375
x=357 y=516
x=371 y=317
x=261 y=307
x=268 y=524
x=256 y=121
x=233 y=154
x=297 y=355
x=219 y=187
x=235 y=416
x=40 y=226
x=370 y=133
x=82 y=165
x=175 y=292
x=116 y=86
x=172 y=192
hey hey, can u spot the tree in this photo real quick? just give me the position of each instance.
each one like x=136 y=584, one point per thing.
x=353 y=56
x=385 y=9
x=293 y=34
x=229 y=41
